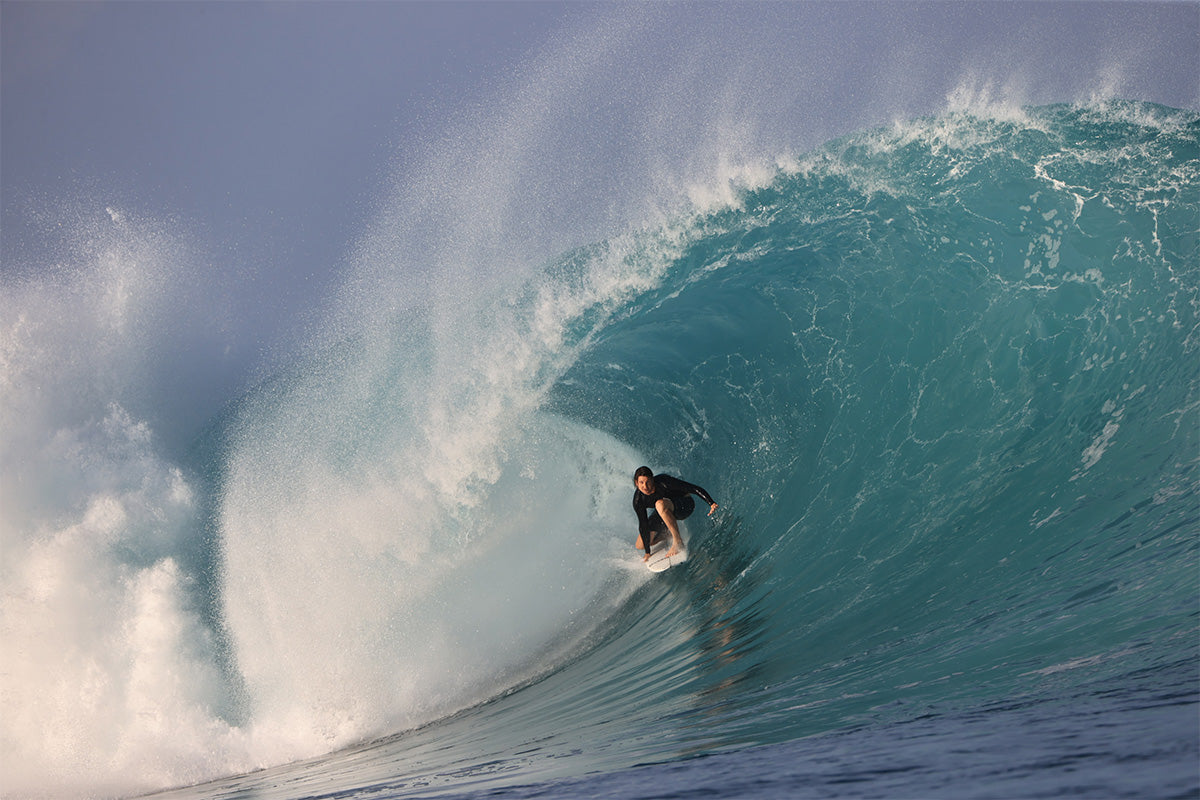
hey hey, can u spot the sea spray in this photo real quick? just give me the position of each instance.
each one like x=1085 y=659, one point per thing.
x=112 y=679
x=405 y=532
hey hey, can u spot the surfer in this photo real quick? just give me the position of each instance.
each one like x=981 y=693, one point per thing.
x=659 y=501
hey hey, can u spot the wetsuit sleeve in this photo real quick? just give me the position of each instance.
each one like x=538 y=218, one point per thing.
x=643 y=521
x=675 y=486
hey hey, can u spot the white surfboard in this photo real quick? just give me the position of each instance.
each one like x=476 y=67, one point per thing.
x=659 y=562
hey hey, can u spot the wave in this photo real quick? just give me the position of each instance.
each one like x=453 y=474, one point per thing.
x=940 y=377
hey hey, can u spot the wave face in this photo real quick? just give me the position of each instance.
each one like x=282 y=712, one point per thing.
x=941 y=378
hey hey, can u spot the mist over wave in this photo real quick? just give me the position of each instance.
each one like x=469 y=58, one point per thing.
x=109 y=665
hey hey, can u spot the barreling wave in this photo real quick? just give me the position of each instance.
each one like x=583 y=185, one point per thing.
x=940 y=376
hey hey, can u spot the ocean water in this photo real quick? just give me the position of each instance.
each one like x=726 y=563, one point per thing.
x=943 y=378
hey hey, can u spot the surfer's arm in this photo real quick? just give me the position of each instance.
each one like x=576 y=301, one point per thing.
x=706 y=497
x=691 y=488
x=643 y=525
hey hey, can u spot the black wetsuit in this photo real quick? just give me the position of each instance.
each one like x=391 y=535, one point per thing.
x=670 y=488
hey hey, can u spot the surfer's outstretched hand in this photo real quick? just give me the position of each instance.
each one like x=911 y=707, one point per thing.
x=646 y=557
x=712 y=509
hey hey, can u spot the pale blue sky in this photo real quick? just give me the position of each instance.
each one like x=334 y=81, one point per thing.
x=270 y=122
x=275 y=121
x=277 y=134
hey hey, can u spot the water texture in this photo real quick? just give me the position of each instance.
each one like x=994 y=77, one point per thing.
x=941 y=377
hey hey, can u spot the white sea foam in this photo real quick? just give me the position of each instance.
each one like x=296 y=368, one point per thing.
x=110 y=676
x=367 y=585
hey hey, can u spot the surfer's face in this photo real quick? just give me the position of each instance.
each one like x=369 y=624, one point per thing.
x=645 y=484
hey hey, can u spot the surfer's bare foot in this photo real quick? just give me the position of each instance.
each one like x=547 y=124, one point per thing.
x=674 y=551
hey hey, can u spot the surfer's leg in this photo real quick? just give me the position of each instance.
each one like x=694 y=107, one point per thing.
x=657 y=529
x=666 y=510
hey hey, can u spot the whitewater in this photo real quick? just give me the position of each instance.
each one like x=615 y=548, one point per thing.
x=940 y=375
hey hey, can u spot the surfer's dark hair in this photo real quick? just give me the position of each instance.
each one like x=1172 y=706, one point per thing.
x=642 y=471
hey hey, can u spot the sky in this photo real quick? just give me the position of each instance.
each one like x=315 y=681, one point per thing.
x=280 y=137
x=269 y=126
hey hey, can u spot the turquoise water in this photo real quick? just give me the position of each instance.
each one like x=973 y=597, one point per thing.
x=941 y=378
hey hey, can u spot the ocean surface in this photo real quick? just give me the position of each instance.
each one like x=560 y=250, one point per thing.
x=943 y=378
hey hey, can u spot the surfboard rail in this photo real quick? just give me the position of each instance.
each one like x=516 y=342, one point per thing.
x=659 y=561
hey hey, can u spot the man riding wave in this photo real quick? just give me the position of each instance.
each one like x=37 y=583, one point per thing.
x=659 y=502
